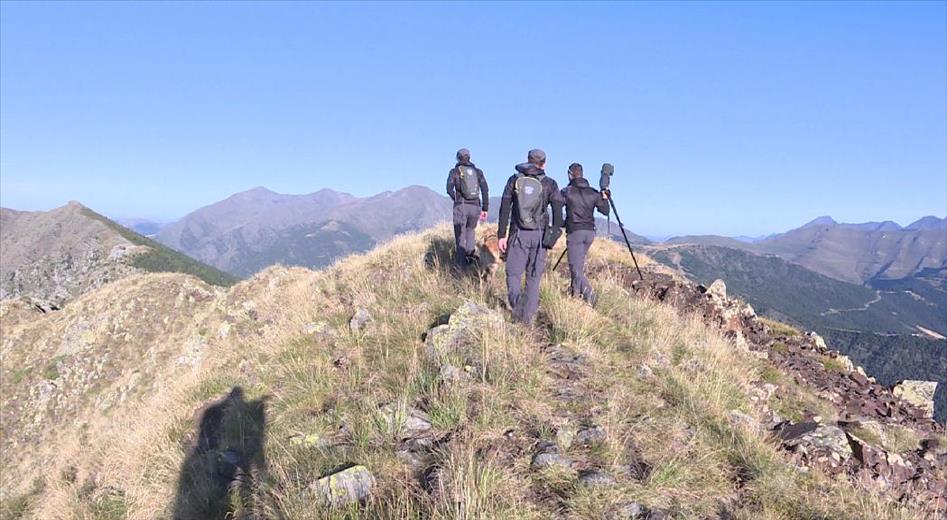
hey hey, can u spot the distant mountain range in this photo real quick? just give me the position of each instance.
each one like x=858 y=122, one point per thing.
x=855 y=253
x=54 y=256
x=257 y=228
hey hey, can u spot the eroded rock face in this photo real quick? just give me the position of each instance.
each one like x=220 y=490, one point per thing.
x=918 y=393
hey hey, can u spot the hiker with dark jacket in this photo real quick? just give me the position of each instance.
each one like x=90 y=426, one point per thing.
x=581 y=202
x=467 y=187
x=525 y=234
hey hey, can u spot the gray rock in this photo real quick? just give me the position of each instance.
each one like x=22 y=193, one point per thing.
x=361 y=318
x=741 y=420
x=596 y=478
x=451 y=374
x=349 y=486
x=550 y=460
x=456 y=341
x=813 y=439
x=718 y=290
x=398 y=420
x=628 y=511
x=590 y=435
x=918 y=393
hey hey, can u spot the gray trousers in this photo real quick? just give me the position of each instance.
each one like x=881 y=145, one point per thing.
x=466 y=217
x=579 y=242
x=525 y=255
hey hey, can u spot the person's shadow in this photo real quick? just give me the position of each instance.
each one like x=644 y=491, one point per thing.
x=225 y=470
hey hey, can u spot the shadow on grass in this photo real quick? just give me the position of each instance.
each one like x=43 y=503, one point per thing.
x=225 y=469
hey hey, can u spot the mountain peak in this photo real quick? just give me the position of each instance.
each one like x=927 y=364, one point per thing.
x=824 y=220
x=928 y=222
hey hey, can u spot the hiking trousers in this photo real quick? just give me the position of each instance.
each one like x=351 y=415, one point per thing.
x=525 y=256
x=466 y=217
x=579 y=242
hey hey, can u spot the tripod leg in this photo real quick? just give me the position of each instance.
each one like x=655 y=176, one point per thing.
x=564 y=251
x=625 y=236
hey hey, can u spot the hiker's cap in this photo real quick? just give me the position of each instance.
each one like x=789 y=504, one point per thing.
x=575 y=169
x=536 y=156
x=463 y=154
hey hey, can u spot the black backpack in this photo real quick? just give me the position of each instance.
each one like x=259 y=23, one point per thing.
x=530 y=201
x=468 y=182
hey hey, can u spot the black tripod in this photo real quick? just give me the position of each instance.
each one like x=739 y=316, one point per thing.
x=623 y=234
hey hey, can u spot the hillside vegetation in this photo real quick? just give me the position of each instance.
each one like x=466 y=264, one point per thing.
x=162 y=259
x=158 y=396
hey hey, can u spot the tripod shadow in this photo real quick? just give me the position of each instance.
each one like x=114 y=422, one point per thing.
x=225 y=468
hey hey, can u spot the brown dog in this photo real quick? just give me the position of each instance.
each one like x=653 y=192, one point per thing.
x=489 y=254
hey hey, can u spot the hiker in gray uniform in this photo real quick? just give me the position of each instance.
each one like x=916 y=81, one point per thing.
x=523 y=211
x=581 y=202
x=467 y=187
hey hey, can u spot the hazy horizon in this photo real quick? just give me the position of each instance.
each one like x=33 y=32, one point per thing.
x=721 y=118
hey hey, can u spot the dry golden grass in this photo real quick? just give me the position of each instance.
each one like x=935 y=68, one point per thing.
x=322 y=394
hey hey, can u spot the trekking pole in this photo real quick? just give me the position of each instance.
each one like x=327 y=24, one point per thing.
x=603 y=183
x=564 y=251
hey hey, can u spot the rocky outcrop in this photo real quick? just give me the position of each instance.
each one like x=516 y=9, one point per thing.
x=918 y=393
x=916 y=475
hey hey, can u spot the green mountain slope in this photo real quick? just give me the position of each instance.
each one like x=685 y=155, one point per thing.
x=162 y=259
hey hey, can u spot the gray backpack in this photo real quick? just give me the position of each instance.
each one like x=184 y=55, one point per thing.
x=530 y=201
x=468 y=182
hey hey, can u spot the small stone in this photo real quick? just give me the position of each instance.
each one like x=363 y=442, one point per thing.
x=345 y=487
x=451 y=374
x=590 y=435
x=550 y=460
x=596 y=478
x=317 y=328
x=629 y=511
x=565 y=435
x=645 y=372
x=741 y=420
x=361 y=318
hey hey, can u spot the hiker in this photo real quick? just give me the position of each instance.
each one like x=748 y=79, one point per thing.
x=523 y=209
x=467 y=187
x=581 y=202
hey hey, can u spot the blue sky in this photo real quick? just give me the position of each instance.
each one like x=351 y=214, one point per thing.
x=731 y=118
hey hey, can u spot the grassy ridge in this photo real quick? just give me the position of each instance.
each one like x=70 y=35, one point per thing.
x=162 y=259
x=312 y=391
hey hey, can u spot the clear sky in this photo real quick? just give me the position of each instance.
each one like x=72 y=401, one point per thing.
x=731 y=118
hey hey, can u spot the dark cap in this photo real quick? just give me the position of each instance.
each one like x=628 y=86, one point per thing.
x=536 y=156
x=463 y=153
x=575 y=169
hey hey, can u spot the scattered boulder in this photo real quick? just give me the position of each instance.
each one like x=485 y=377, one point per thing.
x=399 y=421
x=460 y=333
x=817 y=341
x=451 y=374
x=361 y=318
x=718 y=289
x=636 y=511
x=817 y=442
x=565 y=436
x=319 y=329
x=547 y=456
x=918 y=393
x=590 y=435
x=596 y=478
x=345 y=487
x=741 y=420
